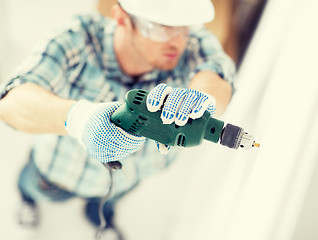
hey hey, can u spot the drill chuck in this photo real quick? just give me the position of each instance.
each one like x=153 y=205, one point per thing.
x=234 y=137
x=134 y=117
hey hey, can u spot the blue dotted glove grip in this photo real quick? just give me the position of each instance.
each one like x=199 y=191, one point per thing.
x=103 y=140
x=178 y=105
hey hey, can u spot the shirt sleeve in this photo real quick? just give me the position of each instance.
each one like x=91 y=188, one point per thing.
x=49 y=63
x=209 y=55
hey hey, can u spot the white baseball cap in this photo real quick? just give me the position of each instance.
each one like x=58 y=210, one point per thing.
x=171 y=12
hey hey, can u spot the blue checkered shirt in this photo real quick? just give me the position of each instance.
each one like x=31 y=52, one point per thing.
x=79 y=62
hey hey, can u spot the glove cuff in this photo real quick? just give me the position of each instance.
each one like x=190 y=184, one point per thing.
x=163 y=148
x=78 y=115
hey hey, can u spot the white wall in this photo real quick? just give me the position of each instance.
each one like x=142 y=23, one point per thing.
x=24 y=23
x=262 y=192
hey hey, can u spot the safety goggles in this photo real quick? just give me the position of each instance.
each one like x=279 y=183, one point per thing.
x=157 y=32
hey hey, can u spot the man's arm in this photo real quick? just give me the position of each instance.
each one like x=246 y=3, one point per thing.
x=212 y=84
x=214 y=72
x=33 y=109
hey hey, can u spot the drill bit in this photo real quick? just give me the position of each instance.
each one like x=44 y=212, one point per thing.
x=255 y=144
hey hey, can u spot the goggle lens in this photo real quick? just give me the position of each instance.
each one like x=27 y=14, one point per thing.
x=158 y=32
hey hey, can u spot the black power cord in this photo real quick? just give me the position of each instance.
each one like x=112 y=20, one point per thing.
x=110 y=166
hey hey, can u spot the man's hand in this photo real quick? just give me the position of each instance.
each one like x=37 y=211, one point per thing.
x=90 y=124
x=178 y=105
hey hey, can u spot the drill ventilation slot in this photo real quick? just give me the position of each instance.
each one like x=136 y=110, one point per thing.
x=135 y=127
x=140 y=96
x=181 y=140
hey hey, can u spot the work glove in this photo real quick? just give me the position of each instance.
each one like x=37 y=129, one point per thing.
x=178 y=105
x=90 y=124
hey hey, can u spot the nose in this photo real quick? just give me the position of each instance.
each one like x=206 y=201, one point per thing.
x=178 y=40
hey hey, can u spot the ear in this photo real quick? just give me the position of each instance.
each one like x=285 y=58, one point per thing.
x=121 y=17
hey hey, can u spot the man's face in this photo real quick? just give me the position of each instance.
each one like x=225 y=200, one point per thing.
x=163 y=55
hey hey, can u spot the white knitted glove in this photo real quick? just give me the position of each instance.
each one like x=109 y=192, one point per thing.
x=90 y=124
x=180 y=105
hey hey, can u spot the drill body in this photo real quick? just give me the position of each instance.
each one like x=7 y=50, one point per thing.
x=134 y=117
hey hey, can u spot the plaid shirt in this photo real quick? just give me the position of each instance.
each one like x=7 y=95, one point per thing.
x=79 y=63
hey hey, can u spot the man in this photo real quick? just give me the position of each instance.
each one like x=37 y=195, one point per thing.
x=67 y=91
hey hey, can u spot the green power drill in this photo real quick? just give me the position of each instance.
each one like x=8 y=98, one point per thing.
x=134 y=117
